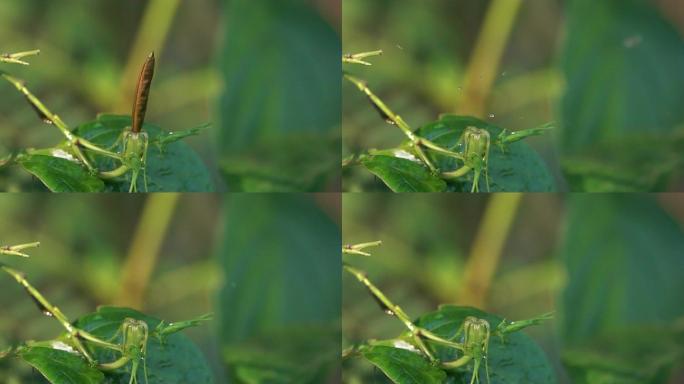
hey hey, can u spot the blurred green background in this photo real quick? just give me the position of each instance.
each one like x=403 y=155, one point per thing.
x=266 y=265
x=264 y=74
x=608 y=74
x=606 y=264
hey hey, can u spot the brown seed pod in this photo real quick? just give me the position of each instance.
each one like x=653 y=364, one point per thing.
x=142 y=93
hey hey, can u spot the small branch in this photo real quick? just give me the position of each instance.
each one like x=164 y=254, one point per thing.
x=145 y=246
x=484 y=62
x=358 y=58
x=15 y=58
x=487 y=247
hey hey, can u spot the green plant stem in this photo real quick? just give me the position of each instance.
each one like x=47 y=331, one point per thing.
x=487 y=247
x=15 y=58
x=144 y=251
x=45 y=113
x=484 y=62
x=153 y=31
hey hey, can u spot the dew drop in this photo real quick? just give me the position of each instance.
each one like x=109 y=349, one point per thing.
x=632 y=41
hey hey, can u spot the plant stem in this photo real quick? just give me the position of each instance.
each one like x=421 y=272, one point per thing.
x=15 y=58
x=487 y=246
x=144 y=251
x=153 y=30
x=484 y=62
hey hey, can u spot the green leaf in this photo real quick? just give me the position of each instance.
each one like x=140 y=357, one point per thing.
x=289 y=355
x=60 y=175
x=289 y=163
x=623 y=256
x=175 y=169
x=403 y=366
x=622 y=62
x=177 y=361
x=61 y=367
x=643 y=355
x=403 y=175
x=281 y=67
x=280 y=273
x=518 y=169
x=640 y=162
x=516 y=360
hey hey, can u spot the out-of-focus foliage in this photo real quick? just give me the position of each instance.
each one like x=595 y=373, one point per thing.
x=608 y=75
x=621 y=109
x=86 y=244
x=280 y=304
x=280 y=109
x=618 y=262
x=608 y=265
